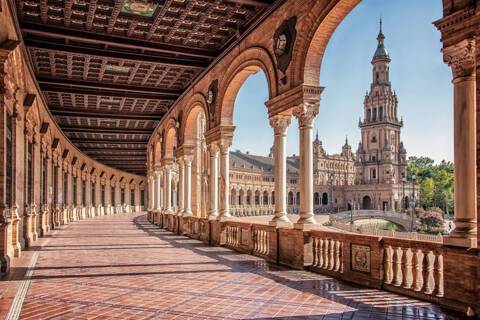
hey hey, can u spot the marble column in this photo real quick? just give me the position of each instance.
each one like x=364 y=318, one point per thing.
x=213 y=183
x=305 y=113
x=156 y=190
x=168 y=189
x=224 y=179
x=280 y=124
x=181 y=186
x=188 y=186
x=461 y=57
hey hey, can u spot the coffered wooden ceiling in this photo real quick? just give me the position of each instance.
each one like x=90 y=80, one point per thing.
x=110 y=69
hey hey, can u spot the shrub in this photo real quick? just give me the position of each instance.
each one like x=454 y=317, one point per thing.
x=432 y=222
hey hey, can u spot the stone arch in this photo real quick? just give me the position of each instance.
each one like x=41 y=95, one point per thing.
x=248 y=62
x=367 y=203
x=157 y=152
x=195 y=107
x=318 y=27
x=170 y=140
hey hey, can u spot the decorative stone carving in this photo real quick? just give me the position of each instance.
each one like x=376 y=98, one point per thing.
x=212 y=97
x=461 y=57
x=283 y=42
x=360 y=258
x=306 y=113
x=280 y=123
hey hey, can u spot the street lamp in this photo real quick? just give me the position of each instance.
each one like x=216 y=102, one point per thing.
x=404 y=204
x=414 y=202
x=330 y=187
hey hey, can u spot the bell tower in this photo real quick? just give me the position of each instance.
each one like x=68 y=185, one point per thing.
x=381 y=157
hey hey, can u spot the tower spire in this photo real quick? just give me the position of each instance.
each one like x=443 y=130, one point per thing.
x=380 y=24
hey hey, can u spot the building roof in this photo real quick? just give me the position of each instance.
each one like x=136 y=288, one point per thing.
x=241 y=160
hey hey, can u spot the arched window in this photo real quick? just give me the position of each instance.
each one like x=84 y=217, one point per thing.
x=257 y=198
x=316 y=199
x=290 y=198
x=324 y=199
x=273 y=197
x=249 y=197
x=298 y=198
x=265 y=198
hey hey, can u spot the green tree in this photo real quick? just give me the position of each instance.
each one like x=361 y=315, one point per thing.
x=427 y=187
x=435 y=181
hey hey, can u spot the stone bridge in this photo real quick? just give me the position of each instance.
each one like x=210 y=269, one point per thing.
x=401 y=219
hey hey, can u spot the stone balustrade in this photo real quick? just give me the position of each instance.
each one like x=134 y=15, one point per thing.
x=422 y=269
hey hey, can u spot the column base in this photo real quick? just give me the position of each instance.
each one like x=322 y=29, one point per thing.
x=224 y=216
x=187 y=214
x=213 y=216
x=280 y=219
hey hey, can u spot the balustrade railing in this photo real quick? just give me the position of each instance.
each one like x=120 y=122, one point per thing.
x=414 y=266
x=261 y=241
x=327 y=253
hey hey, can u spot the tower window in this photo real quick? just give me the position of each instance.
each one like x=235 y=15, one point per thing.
x=378 y=76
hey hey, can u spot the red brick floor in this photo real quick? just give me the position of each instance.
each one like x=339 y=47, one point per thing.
x=121 y=267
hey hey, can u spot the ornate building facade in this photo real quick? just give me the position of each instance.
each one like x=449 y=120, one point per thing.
x=371 y=178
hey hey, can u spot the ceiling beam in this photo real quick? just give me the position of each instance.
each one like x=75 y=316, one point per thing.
x=257 y=3
x=123 y=42
x=108 y=141
x=112 y=53
x=106 y=89
x=113 y=115
x=106 y=130
x=87 y=149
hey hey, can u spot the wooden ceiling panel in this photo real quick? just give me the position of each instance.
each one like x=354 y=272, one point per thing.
x=111 y=69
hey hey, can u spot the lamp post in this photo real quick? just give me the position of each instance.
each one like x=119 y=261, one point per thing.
x=404 y=205
x=414 y=202
x=351 y=212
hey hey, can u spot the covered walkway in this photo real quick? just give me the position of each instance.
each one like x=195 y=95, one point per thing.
x=122 y=267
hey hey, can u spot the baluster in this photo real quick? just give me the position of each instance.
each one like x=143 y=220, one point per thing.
x=388 y=264
x=337 y=256
x=320 y=252
x=267 y=242
x=398 y=276
x=407 y=269
x=325 y=254
x=418 y=272
x=315 y=252
x=261 y=241
x=439 y=275
x=428 y=279
x=331 y=258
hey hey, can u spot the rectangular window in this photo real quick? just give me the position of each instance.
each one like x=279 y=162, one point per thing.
x=112 y=196
x=142 y=197
x=122 y=194
x=132 y=197
x=92 y=194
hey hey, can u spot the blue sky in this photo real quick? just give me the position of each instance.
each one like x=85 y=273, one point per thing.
x=418 y=75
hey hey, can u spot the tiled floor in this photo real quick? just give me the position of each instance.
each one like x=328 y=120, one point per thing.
x=121 y=267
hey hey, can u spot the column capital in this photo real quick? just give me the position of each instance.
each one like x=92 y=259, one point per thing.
x=213 y=148
x=280 y=123
x=306 y=113
x=461 y=57
x=224 y=145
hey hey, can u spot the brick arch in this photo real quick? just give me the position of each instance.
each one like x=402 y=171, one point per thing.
x=157 y=152
x=245 y=64
x=196 y=106
x=318 y=27
x=170 y=139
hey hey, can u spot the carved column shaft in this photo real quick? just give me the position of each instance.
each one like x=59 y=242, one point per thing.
x=213 y=183
x=280 y=124
x=188 y=186
x=306 y=113
x=461 y=57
